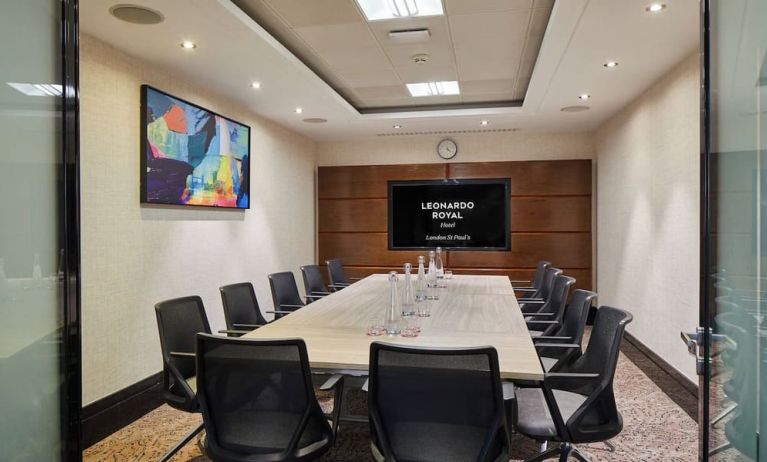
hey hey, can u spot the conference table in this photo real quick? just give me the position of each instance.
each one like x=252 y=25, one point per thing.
x=471 y=311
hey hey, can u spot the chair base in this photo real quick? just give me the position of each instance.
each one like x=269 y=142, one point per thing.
x=562 y=452
x=172 y=452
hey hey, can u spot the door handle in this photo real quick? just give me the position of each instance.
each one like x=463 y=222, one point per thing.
x=691 y=340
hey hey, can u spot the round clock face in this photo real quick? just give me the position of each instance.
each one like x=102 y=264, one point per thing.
x=447 y=149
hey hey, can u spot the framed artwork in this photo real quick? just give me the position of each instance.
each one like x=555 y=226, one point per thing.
x=190 y=155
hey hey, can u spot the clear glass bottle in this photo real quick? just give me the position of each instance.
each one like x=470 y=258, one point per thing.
x=438 y=264
x=420 y=283
x=394 y=311
x=408 y=297
x=431 y=278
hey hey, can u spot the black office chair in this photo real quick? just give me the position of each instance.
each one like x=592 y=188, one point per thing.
x=534 y=302
x=337 y=274
x=576 y=404
x=178 y=321
x=563 y=346
x=431 y=404
x=535 y=284
x=258 y=402
x=241 y=310
x=284 y=294
x=548 y=318
x=313 y=284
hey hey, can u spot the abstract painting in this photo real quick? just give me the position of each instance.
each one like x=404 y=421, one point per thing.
x=192 y=156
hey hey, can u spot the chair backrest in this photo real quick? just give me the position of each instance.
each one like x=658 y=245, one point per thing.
x=598 y=418
x=540 y=272
x=437 y=404
x=545 y=288
x=313 y=283
x=256 y=397
x=241 y=305
x=573 y=322
x=178 y=321
x=285 y=291
x=336 y=271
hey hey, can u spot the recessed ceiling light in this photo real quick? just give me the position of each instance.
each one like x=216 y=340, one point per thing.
x=299 y=110
x=611 y=64
x=484 y=122
x=37 y=89
x=574 y=108
x=255 y=85
x=376 y=10
x=584 y=96
x=655 y=7
x=188 y=45
x=397 y=126
x=443 y=88
x=315 y=120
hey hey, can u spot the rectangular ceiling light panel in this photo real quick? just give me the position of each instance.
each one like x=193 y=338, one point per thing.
x=377 y=10
x=444 y=88
x=37 y=89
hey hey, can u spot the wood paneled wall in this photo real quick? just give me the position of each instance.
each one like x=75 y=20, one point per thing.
x=550 y=217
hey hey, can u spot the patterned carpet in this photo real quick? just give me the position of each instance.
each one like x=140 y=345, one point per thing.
x=656 y=428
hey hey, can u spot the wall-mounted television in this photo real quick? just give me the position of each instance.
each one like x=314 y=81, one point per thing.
x=453 y=214
x=190 y=155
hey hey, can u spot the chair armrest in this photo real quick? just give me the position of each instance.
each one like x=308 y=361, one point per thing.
x=182 y=354
x=332 y=382
x=535 y=315
x=248 y=326
x=278 y=312
x=557 y=345
x=234 y=331
x=530 y=301
x=313 y=297
x=338 y=284
x=356 y=279
x=519 y=282
x=548 y=323
x=321 y=294
x=509 y=392
x=524 y=289
x=550 y=338
x=365 y=385
x=571 y=375
x=291 y=306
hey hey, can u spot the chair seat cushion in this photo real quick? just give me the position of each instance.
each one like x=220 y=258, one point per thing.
x=192 y=382
x=533 y=417
x=535 y=333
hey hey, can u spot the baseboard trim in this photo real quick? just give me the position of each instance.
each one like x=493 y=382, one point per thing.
x=680 y=389
x=111 y=413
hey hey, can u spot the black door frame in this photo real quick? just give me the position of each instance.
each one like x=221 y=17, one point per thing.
x=69 y=232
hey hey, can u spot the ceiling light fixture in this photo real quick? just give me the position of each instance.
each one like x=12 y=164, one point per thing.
x=37 y=89
x=655 y=7
x=255 y=85
x=484 y=123
x=611 y=64
x=574 y=108
x=584 y=96
x=397 y=126
x=376 y=10
x=136 y=14
x=443 y=88
x=188 y=45
x=299 y=110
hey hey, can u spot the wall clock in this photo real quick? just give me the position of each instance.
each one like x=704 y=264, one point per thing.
x=447 y=149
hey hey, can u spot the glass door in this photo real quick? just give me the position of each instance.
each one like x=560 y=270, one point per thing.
x=39 y=335
x=734 y=253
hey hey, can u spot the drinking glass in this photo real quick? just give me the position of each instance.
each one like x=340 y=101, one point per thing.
x=448 y=274
x=376 y=327
x=412 y=327
x=423 y=309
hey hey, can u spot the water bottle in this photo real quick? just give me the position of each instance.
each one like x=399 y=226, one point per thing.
x=393 y=312
x=431 y=277
x=420 y=283
x=438 y=264
x=408 y=298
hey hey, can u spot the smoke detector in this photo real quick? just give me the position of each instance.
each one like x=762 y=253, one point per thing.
x=420 y=58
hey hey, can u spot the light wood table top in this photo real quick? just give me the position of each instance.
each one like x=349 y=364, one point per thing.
x=471 y=311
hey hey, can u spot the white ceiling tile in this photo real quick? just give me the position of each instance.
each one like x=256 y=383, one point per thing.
x=370 y=58
x=543 y=4
x=439 y=56
x=454 y=7
x=437 y=26
x=497 y=29
x=426 y=73
x=489 y=97
x=369 y=78
x=339 y=37
x=383 y=92
x=480 y=87
x=300 y=13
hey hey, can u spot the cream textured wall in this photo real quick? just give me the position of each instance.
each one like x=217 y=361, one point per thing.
x=472 y=147
x=135 y=256
x=648 y=212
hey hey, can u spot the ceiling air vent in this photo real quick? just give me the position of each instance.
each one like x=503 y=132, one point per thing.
x=449 y=132
x=410 y=35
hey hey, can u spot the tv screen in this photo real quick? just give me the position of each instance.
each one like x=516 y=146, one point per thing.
x=190 y=155
x=454 y=214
